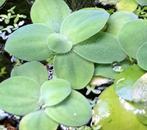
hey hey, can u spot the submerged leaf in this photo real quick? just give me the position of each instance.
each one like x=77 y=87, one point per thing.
x=125 y=80
x=19 y=95
x=50 y=13
x=113 y=113
x=73 y=111
x=34 y=70
x=132 y=36
x=54 y=91
x=102 y=48
x=29 y=43
x=83 y=24
x=37 y=121
x=74 y=69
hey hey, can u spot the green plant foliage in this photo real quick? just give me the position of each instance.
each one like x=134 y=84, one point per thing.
x=75 y=110
x=109 y=110
x=16 y=98
x=2 y=2
x=37 y=120
x=105 y=71
x=127 y=5
x=103 y=48
x=142 y=2
x=118 y=20
x=58 y=43
x=125 y=80
x=54 y=91
x=140 y=98
x=76 y=32
x=70 y=67
x=111 y=70
x=34 y=70
x=142 y=56
x=50 y=13
x=130 y=38
x=29 y=42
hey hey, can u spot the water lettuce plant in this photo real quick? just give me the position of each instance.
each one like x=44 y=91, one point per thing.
x=46 y=101
x=85 y=43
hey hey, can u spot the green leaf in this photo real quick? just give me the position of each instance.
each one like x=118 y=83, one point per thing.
x=140 y=98
x=54 y=91
x=29 y=43
x=125 y=80
x=19 y=95
x=103 y=48
x=83 y=24
x=132 y=36
x=127 y=5
x=73 y=111
x=105 y=71
x=37 y=121
x=142 y=56
x=50 y=13
x=59 y=43
x=74 y=69
x=2 y=2
x=114 y=113
x=142 y=2
x=118 y=20
x=34 y=70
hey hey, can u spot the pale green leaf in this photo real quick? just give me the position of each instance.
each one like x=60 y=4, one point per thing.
x=73 y=111
x=127 y=5
x=54 y=91
x=29 y=42
x=74 y=69
x=19 y=95
x=102 y=48
x=132 y=36
x=50 y=13
x=142 y=2
x=125 y=80
x=83 y=24
x=114 y=113
x=142 y=56
x=58 y=43
x=34 y=70
x=118 y=20
x=2 y=2
x=37 y=121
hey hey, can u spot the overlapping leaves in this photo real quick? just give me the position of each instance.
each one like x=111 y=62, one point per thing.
x=31 y=90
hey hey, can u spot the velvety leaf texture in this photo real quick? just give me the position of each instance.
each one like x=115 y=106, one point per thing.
x=102 y=48
x=37 y=121
x=74 y=111
x=132 y=36
x=19 y=95
x=50 y=13
x=54 y=91
x=34 y=70
x=74 y=69
x=83 y=24
x=29 y=43
x=118 y=20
